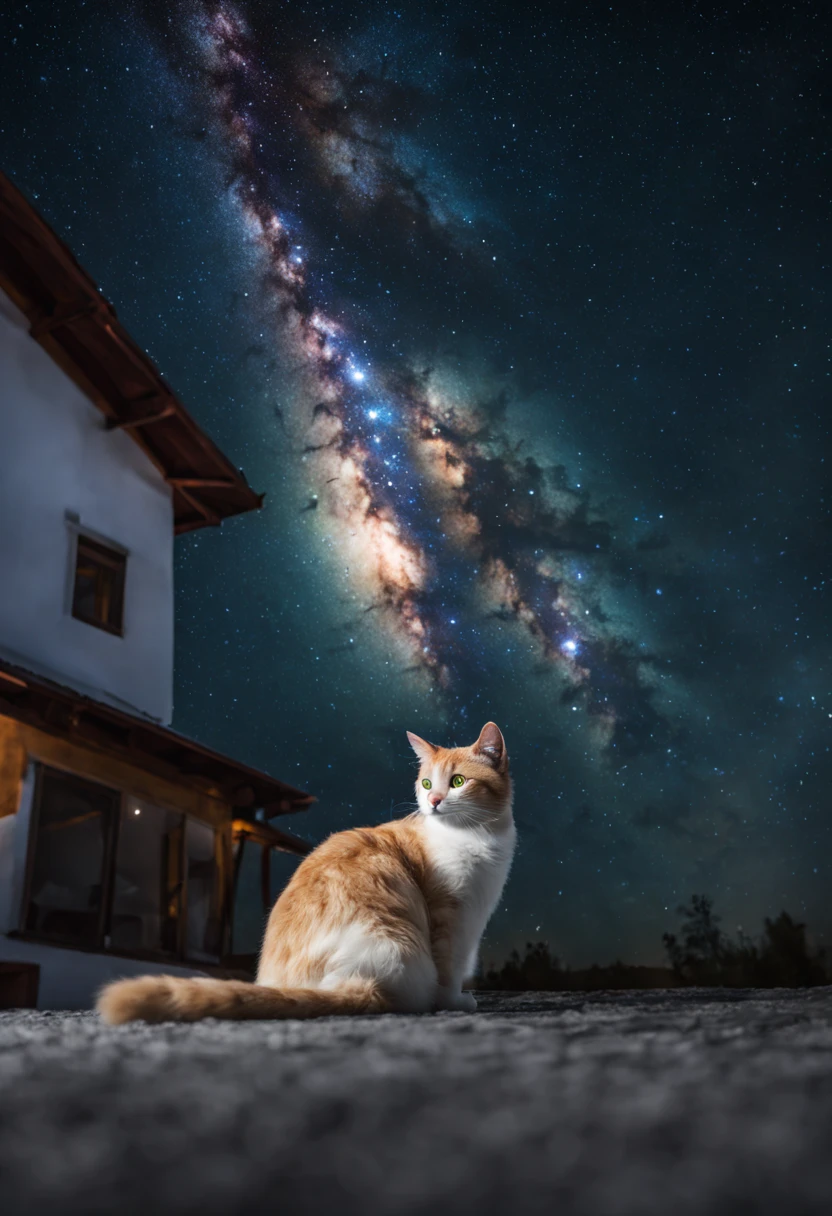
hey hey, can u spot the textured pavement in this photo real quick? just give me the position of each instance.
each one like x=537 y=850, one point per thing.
x=641 y=1103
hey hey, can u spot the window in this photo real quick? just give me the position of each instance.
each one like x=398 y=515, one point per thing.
x=73 y=833
x=148 y=883
x=204 y=932
x=98 y=590
x=108 y=870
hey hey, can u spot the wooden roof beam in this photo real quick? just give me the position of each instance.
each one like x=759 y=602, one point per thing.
x=206 y=483
x=205 y=511
x=65 y=316
x=286 y=806
x=123 y=424
x=269 y=837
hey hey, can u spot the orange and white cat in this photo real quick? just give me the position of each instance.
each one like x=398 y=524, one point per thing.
x=375 y=919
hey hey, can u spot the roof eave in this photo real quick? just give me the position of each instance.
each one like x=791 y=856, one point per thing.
x=61 y=711
x=79 y=329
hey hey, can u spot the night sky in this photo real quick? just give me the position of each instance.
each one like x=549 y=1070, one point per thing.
x=519 y=316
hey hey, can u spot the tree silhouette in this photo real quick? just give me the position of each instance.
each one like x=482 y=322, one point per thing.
x=705 y=956
x=703 y=948
x=536 y=971
x=784 y=958
x=700 y=954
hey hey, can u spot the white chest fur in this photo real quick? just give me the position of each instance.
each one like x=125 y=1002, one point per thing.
x=473 y=863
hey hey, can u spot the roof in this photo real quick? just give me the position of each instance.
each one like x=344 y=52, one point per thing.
x=61 y=711
x=79 y=329
x=267 y=836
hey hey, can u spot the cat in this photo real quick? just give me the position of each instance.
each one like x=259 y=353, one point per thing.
x=374 y=920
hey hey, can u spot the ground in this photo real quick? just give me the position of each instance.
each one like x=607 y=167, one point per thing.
x=612 y=1104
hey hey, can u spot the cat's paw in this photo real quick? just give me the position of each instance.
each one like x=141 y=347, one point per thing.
x=455 y=1002
x=467 y=1002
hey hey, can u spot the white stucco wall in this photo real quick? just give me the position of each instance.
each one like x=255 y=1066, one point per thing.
x=71 y=979
x=14 y=844
x=56 y=459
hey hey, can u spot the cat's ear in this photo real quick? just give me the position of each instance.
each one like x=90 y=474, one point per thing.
x=491 y=746
x=424 y=750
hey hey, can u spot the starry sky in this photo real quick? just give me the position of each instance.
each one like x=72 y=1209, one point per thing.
x=519 y=316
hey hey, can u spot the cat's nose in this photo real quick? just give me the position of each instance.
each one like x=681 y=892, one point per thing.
x=435 y=799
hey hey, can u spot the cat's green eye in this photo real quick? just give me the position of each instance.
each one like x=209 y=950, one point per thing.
x=426 y=782
x=457 y=781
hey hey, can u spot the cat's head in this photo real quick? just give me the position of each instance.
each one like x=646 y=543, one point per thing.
x=466 y=784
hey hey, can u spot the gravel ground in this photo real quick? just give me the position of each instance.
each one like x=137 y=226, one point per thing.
x=615 y=1104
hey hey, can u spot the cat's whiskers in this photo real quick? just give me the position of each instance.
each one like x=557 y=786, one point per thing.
x=467 y=816
x=402 y=806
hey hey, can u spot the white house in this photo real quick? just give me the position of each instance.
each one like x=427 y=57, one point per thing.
x=120 y=840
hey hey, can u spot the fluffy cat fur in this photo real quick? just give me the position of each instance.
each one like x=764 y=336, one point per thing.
x=375 y=919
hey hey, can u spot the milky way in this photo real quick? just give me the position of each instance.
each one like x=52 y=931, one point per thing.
x=440 y=518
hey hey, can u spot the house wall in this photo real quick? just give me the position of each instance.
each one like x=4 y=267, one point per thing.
x=14 y=837
x=57 y=460
x=71 y=979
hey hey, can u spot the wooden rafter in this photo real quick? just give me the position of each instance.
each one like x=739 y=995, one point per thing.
x=136 y=420
x=267 y=836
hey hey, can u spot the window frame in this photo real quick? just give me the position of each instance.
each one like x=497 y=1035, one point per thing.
x=103 y=936
x=107 y=861
x=107 y=554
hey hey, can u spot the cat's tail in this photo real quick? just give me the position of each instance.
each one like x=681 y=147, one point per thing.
x=168 y=998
